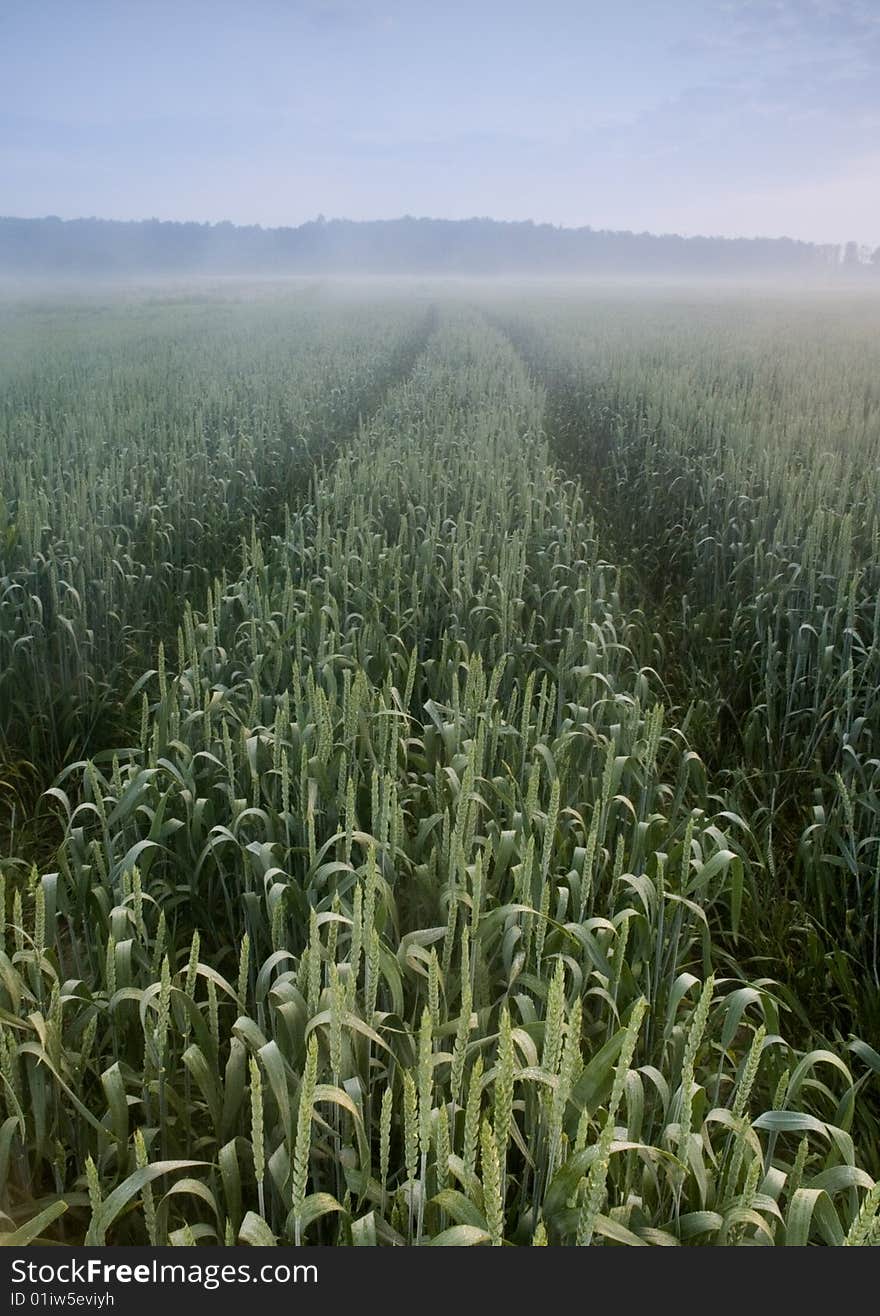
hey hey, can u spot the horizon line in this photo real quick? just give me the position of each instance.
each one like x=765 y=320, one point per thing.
x=321 y=219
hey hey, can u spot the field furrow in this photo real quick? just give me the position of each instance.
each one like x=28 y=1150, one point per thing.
x=136 y=458
x=732 y=458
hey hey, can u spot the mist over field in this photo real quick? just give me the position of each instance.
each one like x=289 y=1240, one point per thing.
x=482 y=248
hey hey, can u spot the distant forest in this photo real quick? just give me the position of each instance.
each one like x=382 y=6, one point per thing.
x=97 y=247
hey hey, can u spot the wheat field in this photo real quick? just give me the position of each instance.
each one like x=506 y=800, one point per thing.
x=439 y=769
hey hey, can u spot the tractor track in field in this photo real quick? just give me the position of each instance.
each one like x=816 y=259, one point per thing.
x=711 y=707
x=582 y=449
x=401 y=368
x=26 y=827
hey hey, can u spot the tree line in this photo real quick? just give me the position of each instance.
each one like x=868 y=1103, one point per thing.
x=52 y=246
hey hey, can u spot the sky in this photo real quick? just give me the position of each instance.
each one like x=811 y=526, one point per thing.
x=722 y=117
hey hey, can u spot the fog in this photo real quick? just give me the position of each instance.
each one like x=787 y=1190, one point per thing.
x=52 y=249
x=56 y=304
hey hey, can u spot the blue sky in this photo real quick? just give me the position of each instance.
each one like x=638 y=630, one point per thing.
x=725 y=116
